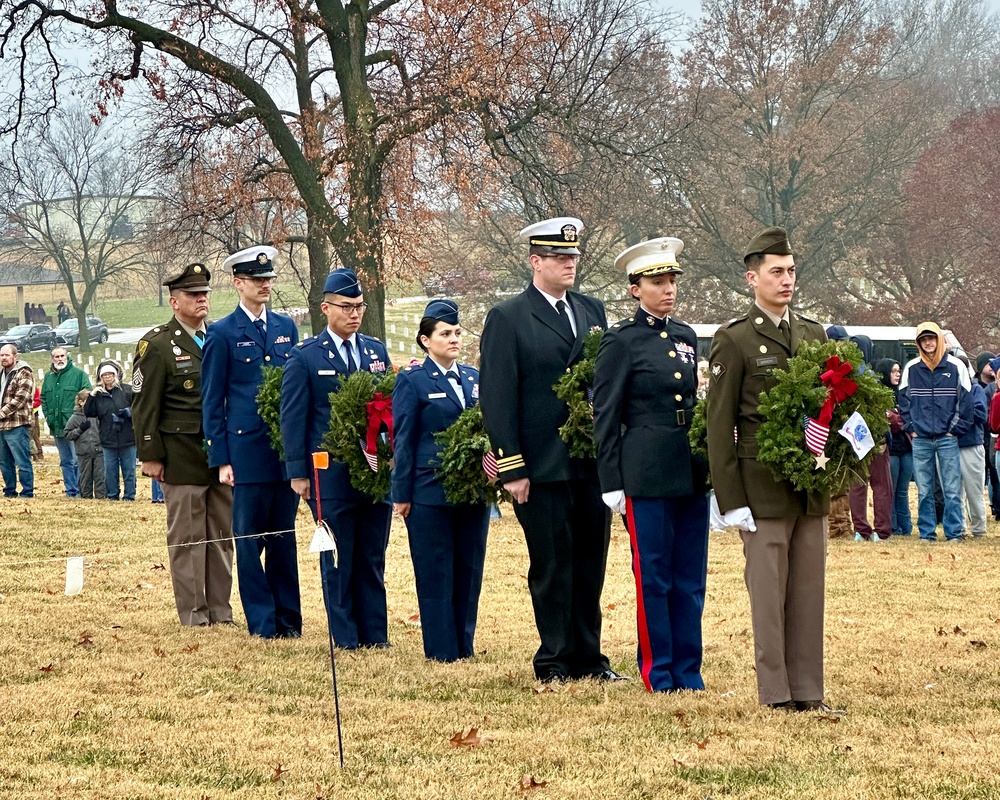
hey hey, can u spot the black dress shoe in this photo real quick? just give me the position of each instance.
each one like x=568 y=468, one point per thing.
x=609 y=675
x=818 y=705
x=553 y=676
x=787 y=705
x=376 y=646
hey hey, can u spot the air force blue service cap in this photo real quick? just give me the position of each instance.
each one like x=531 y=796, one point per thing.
x=444 y=310
x=559 y=235
x=254 y=262
x=344 y=282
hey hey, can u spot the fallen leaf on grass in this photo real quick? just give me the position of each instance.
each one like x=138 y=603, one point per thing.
x=702 y=744
x=528 y=782
x=413 y=618
x=236 y=667
x=159 y=653
x=958 y=631
x=679 y=763
x=877 y=670
x=192 y=648
x=47 y=668
x=86 y=639
x=977 y=644
x=611 y=607
x=157 y=566
x=279 y=771
x=468 y=740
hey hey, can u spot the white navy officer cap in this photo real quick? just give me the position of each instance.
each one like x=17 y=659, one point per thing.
x=560 y=235
x=653 y=257
x=255 y=262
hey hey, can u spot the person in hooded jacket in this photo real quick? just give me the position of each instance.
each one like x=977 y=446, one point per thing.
x=972 y=458
x=111 y=404
x=879 y=478
x=935 y=401
x=986 y=377
x=900 y=452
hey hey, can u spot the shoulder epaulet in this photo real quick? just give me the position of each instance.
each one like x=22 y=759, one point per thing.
x=804 y=318
x=622 y=323
x=369 y=338
x=309 y=340
x=733 y=321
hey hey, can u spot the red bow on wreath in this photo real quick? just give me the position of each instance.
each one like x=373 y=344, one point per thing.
x=839 y=386
x=379 y=413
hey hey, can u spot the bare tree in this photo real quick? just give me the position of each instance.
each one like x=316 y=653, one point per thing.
x=80 y=199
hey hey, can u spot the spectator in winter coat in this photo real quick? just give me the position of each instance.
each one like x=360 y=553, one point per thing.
x=111 y=404
x=900 y=452
x=17 y=388
x=935 y=401
x=879 y=478
x=986 y=377
x=973 y=460
x=60 y=388
x=85 y=435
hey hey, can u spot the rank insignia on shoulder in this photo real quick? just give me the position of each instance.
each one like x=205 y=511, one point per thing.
x=137 y=379
x=718 y=370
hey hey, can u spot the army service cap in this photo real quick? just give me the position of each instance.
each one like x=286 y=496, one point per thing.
x=653 y=257
x=444 y=310
x=343 y=281
x=559 y=235
x=770 y=241
x=193 y=278
x=254 y=262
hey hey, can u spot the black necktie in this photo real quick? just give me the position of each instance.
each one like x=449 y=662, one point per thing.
x=457 y=381
x=259 y=325
x=563 y=308
x=349 y=359
x=785 y=332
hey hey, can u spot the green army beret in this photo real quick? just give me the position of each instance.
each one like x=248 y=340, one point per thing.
x=773 y=241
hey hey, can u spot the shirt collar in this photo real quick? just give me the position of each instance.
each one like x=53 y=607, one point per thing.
x=249 y=313
x=454 y=367
x=774 y=317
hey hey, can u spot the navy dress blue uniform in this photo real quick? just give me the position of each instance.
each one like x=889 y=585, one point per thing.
x=645 y=388
x=447 y=541
x=525 y=348
x=235 y=352
x=354 y=591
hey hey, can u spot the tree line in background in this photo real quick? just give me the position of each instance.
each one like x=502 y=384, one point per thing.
x=411 y=139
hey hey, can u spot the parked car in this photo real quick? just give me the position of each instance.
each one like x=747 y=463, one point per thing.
x=30 y=337
x=68 y=332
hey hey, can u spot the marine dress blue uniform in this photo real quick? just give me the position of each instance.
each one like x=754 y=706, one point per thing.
x=645 y=388
x=447 y=541
x=354 y=591
x=236 y=350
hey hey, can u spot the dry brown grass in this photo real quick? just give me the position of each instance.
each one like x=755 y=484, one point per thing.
x=105 y=696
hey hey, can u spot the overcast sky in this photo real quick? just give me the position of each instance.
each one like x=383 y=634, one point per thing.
x=692 y=8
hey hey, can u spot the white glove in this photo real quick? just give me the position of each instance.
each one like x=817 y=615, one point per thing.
x=737 y=518
x=615 y=501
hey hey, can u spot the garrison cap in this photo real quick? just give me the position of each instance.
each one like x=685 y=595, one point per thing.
x=343 y=281
x=254 y=262
x=193 y=278
x=770 y=241
x=560 y=235
x=444 y=310
x=653 y=257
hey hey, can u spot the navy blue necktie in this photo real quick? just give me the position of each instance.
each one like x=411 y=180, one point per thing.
x=457 y=381
x=352 y=367
x=259 y=325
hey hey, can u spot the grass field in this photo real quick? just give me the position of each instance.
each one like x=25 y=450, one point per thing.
x=104 y=695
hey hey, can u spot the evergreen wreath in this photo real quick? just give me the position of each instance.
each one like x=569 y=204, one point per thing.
x=464 y=443
x=698 y=432
x=798 y=395
x=269 y=406
x=349 y=428
x=575 y=388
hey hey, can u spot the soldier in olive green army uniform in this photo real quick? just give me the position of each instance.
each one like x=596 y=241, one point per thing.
x=166 y=414
x=783 y=530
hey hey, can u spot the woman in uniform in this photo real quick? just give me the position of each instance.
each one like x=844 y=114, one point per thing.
x=447 y=542
x=645 y=389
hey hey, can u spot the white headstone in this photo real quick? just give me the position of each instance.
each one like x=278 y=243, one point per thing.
x=107 y=352
x=118 y=355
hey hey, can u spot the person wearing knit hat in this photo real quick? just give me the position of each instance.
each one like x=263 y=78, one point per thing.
x=986 y=377
x=971 y=457
x=111 y=404
x=935 y=402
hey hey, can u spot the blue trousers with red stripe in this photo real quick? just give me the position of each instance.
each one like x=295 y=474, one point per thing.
x=669 y=537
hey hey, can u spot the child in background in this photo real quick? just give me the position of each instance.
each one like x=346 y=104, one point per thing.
x=86 y=438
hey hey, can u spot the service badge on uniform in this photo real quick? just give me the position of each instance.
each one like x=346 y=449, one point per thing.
x=137 y=377
x=569 y=233
x=141 y=347
x=718 y=370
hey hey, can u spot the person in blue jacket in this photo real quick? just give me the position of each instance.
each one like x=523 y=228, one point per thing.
x=236 y=350
x=447 y=542
x=354 y=589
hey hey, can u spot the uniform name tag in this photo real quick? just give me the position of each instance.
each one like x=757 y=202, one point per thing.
x=770 y=361
x=246 y=344
x=326 y=372
x=436 y=396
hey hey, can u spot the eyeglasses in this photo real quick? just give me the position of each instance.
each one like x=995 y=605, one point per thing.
x=258 y=282
x=350 y=308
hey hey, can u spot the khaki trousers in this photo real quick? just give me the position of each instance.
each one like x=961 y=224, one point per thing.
x=785 y=576
x=200 y=544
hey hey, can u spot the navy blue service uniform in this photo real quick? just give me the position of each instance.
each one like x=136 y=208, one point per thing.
x=645 y=385
x=354 y=590
x=235 y=352
x=447 y=542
